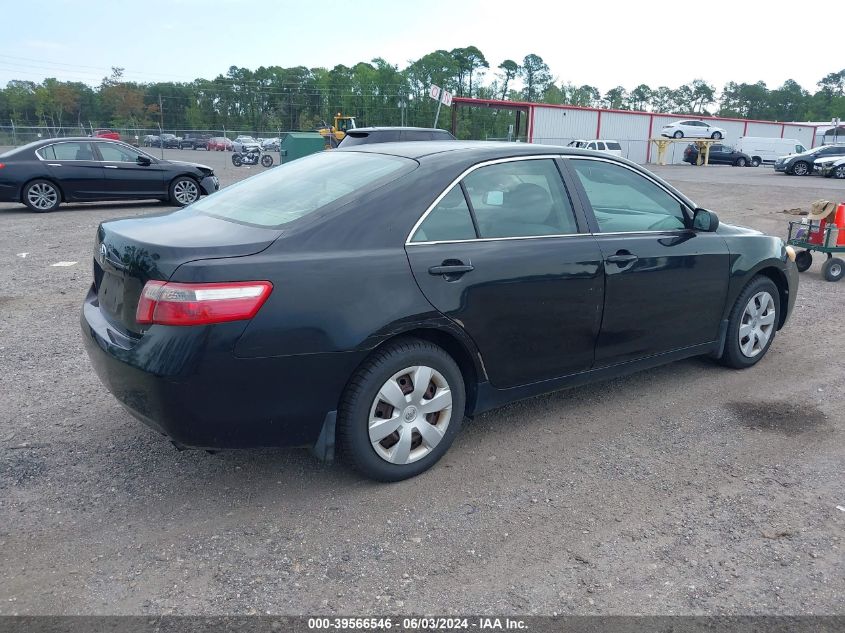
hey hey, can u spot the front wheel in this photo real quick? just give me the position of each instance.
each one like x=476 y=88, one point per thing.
x=678 y=134
x=832 y=269
x=741 y=162
x=41 y=196
x=267 y=160
x=839 y=172
x=237 y=161
x=401 y=410
x=752 y=324
x=716 y=135
x=184 y=190
x=801 y=168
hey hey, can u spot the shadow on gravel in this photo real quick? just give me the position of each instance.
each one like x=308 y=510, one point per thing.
x=780 y=416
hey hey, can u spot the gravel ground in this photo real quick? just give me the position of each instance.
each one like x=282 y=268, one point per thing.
x=688 y=489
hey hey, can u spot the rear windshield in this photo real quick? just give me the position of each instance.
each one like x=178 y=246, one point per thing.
x=290 y=191
x=611 y=145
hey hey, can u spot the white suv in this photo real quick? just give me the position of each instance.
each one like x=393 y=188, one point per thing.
x=692 y=129
x=609 y=147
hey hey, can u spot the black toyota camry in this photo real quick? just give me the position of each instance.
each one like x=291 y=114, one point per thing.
x=46 y=173
x=369 y=299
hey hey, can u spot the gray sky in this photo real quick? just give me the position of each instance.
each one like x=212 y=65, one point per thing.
x=600 y=43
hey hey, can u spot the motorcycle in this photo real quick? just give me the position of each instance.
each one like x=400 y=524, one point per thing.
x=252 y=156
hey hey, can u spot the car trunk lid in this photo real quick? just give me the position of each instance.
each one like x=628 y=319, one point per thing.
x=130 y=252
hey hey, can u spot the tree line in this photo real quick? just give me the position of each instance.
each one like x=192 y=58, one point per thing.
x=379 y=93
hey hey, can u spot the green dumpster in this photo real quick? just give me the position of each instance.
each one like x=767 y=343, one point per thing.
x=295 y=145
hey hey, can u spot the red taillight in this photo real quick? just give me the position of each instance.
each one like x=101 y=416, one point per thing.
x=165 y=303
x=2 y=165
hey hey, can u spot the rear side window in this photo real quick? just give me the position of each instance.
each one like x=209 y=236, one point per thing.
x=72 y=150
x=449 y=220
x=524 y=198
x=614 y=146
x=290 y=191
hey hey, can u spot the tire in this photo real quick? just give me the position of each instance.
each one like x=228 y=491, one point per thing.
x=833 y=269
x=839 y=172
x=803 y=260
x=361 y=406
x=756 y=162
x=801 y=168
x=267 y=160
x=237 y=161
x=744 y=351
x=741 y=162
x=678 y=134
x=41 y=196
x=183 y=191
x=716 y=135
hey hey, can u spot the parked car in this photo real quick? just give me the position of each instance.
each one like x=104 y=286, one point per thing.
x=802 y=164
x=719 y=155
x=244 y=321
x=150 y=140
x=364 y=135
x=194 y=141
x=46 y=173
x=830 y=166
x=169 y=141
x=270 y=144
x=767 y=150
x=692 y=128
x=242 y=144
x=105 y=133
x=220 y=144
x=597 y=145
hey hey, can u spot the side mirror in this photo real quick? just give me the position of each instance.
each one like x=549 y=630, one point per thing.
x=143 y=161
x=704 y=220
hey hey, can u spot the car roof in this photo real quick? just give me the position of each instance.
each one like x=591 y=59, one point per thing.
x=397 y=127
x=483 y=150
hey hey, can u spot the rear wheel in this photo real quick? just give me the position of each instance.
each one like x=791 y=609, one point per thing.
x=237 y=161
x=801 y=168
x=41 y=196
x=183 y=191
x=803 y=260
x=716 y=135
x=755 y=162
x=833 y=268
x=752 y=324
x=741 y=162
x=401 y=410
x=678 y=134
x=267 y=160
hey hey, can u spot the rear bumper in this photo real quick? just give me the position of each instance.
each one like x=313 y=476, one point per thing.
x=791 y=272
x=187 y=384
x=9 y=192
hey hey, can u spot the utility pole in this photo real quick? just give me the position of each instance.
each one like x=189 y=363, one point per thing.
x=160 y=125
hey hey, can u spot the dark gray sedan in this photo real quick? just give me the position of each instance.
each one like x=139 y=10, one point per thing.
x=46 y=173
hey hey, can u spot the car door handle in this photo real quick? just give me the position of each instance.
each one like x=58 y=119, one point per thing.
x=448 y=268
x=110 y=166
x=54 y=164
x=622 y=258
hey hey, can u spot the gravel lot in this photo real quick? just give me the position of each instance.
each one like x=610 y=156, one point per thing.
x=688 y=489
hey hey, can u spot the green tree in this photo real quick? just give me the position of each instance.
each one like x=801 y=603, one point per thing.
x=535 y=76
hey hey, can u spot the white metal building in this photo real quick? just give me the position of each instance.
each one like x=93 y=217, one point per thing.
x=560 y=124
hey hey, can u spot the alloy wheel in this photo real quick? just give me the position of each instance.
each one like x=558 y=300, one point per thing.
x=839 y=172
x=800 y=168
x=757 y=324
x=42 y=196
x=186 y=191
x=410 y=414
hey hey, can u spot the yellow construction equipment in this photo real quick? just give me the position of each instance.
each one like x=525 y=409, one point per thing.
x=337 y=132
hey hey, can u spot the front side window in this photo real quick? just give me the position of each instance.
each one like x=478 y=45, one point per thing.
x=800 y=149
x=117 y=153
x=520 y=199
x=72 y=150
x=624 y=201
x=449 y=220
x=614 y=145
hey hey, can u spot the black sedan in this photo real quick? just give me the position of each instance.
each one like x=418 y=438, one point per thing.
x=803 y=164
x=369 y=299
x=46 y=173
x=719 y=155
x=365 y=135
